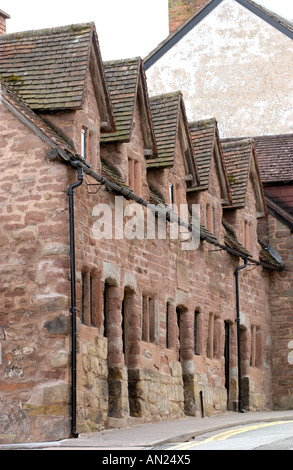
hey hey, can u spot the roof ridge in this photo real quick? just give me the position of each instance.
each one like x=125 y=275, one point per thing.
x=48 y=67
x=276 y=16
x=265 y=136
x=234 y=143
x=202 y=122
x=123 y=61
x=75 y=28
x=166 y=95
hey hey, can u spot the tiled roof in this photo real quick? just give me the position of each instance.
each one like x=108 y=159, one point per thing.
x=122 y=79
x=47 y=68
x=127 y=83
x=38 y=125
x=111 y=173
x=275 y=157
x=280 y=212
x=269 y=257
x=203 y=135
x=156 y=197
x=237 y=154
x=232 y=241
x=165 y=116
x=206 y=145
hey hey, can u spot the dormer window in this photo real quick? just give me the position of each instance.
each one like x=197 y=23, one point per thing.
x=211 y=218
x=134 y=176
x=171 y=194
x=247 y=234
x=84 y=138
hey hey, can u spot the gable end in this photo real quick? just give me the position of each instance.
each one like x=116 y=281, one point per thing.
x=269 y=17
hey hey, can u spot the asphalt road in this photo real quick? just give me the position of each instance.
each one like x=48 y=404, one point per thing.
x=259 y=436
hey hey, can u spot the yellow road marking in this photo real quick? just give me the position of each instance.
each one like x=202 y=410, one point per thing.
x=227 y=434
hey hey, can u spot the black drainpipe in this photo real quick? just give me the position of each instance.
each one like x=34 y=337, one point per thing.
x=73 y=308
x=240 y=405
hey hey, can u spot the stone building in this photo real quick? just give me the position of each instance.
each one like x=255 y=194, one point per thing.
x=231 y=59
x=111 y=313
x=275 y=156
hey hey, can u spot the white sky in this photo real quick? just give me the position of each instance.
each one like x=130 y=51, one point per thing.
x=126 y=28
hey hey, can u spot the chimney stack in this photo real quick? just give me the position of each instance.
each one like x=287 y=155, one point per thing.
x=180 y=10
x=3 y=17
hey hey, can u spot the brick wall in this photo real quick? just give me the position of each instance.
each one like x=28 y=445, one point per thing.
x=180 y=10
x=3 y=18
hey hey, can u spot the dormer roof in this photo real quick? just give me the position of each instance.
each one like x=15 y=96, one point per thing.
x=241 y=164
x=48 y=68
x=37 y=125
x=206 y=145
x=275 y=158
x=170 y=122
x=127 y=86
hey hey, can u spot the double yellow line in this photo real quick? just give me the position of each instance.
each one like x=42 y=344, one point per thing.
x=226 y=435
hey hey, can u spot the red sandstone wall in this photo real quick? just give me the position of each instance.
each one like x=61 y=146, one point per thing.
x=34 y=272
x=281 y=298
x=34 y=240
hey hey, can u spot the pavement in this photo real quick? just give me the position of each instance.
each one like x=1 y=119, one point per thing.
x=147 y=436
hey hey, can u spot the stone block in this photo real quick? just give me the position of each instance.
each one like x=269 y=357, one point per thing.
x=58 y=325
x=56 y=395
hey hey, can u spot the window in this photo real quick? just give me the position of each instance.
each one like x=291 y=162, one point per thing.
x=256 y=347
x=167 y=326
x=211 y=218
x=82 y=311
x=106 y=308
x=149 y=319
x=196 y=332
x=214 y=335
x=89 y=299
x=137 y=178
x=134 y=176
x=171 y=194
x=131 y=173
x=247 y=234
x=84 y=138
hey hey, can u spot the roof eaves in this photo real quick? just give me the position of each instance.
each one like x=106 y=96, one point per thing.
x=257 y=179
x=278 y=212
x=124 y=122
x=149 y=123
x=195 y=127
x=193 y=162
x=237 y=168
x=109 y=124
x=37 y=125
x=217 y=140
x=275 y=20
x=2 y=13
x=165 y=135
x=47 y=68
